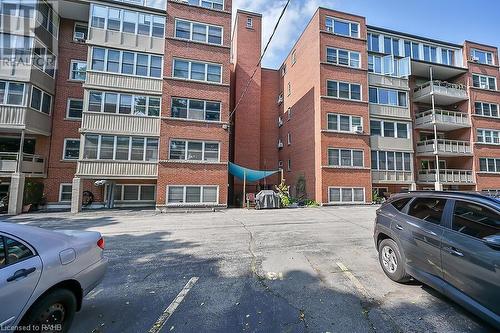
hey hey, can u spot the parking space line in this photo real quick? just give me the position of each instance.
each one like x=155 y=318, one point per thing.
x=357 y=284
x=158 y=325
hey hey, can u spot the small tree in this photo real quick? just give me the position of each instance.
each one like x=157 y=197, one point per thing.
x=33 y=193
x=284 y=194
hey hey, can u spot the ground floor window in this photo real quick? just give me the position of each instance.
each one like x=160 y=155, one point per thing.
x=192 y=194
x=124 y=192
x=346 y=195
x=65 y=192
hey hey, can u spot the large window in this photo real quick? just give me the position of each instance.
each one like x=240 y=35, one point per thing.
x=388 y=96
x=491 y=165
x=486 y=109
x=213 y=4
x=134 y=192
x=133 y=22
x=412 y=49
x=343 y=57
x=12 y=93
x=65 y=192
x=447 y=57
x=40 y=100
x=71 y=149
x=391 y=45
x=199 y=71
x=342 y=27
x=18 y=8
x=198 y=32
x=193 y=194
x=344 y=90
x=16 y=48
x=44 y=60
x=389 y=129
x=484 y=82
x=391 y=161
x=345 y=158
x=482 y=57
x=75 y=109
x=475 y=220
x=125 y=62
x=120 y=148
x=194 y=151
x=78 y=70
x=138 y=105
x=196 y=109
x=373 y=42
x=346 y=195
x=47 y=17
x=488 y=136
x=430 y=53
x=344 y=123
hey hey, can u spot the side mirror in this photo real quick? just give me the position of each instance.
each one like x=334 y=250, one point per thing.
x=492 y=241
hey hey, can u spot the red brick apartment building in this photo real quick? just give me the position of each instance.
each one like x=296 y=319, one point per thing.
x=127 y=103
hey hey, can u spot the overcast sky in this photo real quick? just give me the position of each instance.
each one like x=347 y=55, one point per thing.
x=449 y=20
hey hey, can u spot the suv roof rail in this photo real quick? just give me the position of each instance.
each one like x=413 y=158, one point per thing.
x=470 y=194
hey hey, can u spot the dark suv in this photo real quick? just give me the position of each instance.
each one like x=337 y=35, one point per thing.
x=447 y=240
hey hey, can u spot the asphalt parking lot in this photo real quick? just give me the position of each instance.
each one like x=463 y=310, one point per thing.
x=296 y=270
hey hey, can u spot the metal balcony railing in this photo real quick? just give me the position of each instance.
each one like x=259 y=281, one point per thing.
x=452 y=119
x=447 y=176
x=31 y=164
x=444 y=147
x=452 y=91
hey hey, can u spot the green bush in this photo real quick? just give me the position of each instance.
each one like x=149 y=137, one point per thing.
x=33 y=193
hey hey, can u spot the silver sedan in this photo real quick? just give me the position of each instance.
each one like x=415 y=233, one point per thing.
x=44 y=276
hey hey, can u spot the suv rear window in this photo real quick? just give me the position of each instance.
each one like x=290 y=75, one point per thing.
x=427 y=209
x=401 y=203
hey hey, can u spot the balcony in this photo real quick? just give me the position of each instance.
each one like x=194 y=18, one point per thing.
x=116 y=169
x=444 y=148
x=387 y=81
x=384 y=143
x=14 y=118
x=32 y=165
x=447 y=177
x=444 y=93
x=120 y=124
x=104 y=80
x=444 y=120
x=392 y=177
x=132 y=42
x=389 y=111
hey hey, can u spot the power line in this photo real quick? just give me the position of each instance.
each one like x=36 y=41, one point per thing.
x=260 y=61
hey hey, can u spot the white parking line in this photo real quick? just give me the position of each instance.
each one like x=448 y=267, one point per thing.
x=158 y=325
x=357 y=284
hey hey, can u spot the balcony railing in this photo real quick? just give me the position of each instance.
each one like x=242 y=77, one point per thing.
x=120 y=124
x=445 y=93
x=444 y=119
x=444 y=147
x=31 y=164
x=117 y=169
x=447 y=176
x=391 y=176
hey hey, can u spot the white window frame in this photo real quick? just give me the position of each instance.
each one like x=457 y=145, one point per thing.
x=249 y=23
x=190 y=62
x=191 y=30
x=204 y=109
x=184 y=203
x=338 y=115
x=61 y=185
x=331 y=29
x=349 y=57
x=496 y=162
x=482 y=109
x=351 y=165
x=294 y=57
x=486 y=55
x=199 y=3
x=139 y=187
x=7 y=89
x=377 y=166
x=64 y=149
x=81 y=24
x=118 y=94
x=50 y=20
x=41 y=101
x=389 y=89
x=186 y=144
x=115 y=139
x=350 y=91
x=47 y=53
x=68 y=107
x=71 y=71
x=495 y=134
x=487 y=77
x=340 y=192
x=382 y=129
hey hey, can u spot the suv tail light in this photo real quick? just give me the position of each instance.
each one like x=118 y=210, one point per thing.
x=101 y=243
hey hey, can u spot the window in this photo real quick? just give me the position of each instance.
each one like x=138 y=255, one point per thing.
x=213 y=4
x=75 y=108
x=391 y=45
x=430 y=53
x=193 y=194
x=289 y=88
x=373 y=42
x=346 y=195
x=343 y=123
x=47 y=17
x=283 y=70
x=484 y=82
x=490 y=165
x=294 y=57
x=389 y=129
x=80 y=32
x=78 y=70
x=196 y=109
x=40 y=100
x=401 y=203
x=343 y=57
x=289 y=165
x=126 y=192
x=126 y=62
x=487 y=109
x=137 y=105
x=249 y=22
x=185 y=69
x=44 y=60
x=411 y=49
x=475 y=220
x=482 y=57
x=120 y=148
x=447 y=57
x=194 y=151
x=345 y=157
x=289 y=138
x=71 y=149
x=116 y=19
x=17 y=49
x=18 y=8
x=341 y=27
x=344 y=90
x=427 y=209
x=12 y=251
x=11 y=93
x=198 y=32
x=391 y=161
x=488 y=136
x=65 y=192
x=388 y=97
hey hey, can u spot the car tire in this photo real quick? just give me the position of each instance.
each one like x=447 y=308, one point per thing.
x=55 y=308
x=392 y=261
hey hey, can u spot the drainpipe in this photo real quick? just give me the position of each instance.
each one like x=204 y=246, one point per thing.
x=437 y=185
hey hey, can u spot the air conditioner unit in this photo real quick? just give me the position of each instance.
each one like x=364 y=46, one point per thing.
x=280 y=144
x=280 y=99
x=357 y=129
x=280 y=121
x=79 y=36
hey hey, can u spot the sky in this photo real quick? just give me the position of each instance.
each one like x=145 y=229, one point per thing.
x=448 y=20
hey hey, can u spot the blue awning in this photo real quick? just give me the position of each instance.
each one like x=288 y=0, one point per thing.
x=249 y=174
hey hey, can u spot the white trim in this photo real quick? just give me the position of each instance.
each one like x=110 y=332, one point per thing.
x=486 y=53
x=188 y=101
x=83 y=25
x=332 y=28
x=41 y=100
x=60 y=191
x=191 y=31
x=349 y=58
x=115 y=139
x=350 y=90
x=386 y=152
x=211 y=7
x=487 y=77
x=341 y=189
x=117 y=109
x=388 y=97
x=71 y=71
x=496 y=165
x=382 y=128
x=203 y=150
x=70 y=99
x=482 y=109
x=190 y=63
x=139 y=196
x=338 y=115
x=6 y=93
x=339 y=155
x=493 y=137
x=64 y=149
x=184 y=203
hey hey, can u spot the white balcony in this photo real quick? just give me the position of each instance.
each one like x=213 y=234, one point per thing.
x=447 y=177
x=384 y=143
x=387 y=81
x=444 y=148
x=117 y=169
x=120 y=124
x=128 y=41
x=31 y=165
x=445 y=93
x=120 y=82
x=390 y=111
x=392 y=177
x=14 y=118
x=445 y=120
